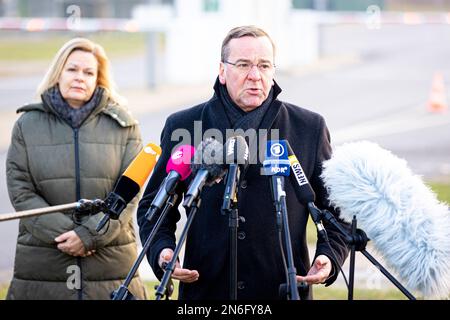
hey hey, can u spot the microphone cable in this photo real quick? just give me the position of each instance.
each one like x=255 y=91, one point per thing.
x=327 y=241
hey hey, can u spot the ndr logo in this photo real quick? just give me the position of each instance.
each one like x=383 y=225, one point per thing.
x=279 y=169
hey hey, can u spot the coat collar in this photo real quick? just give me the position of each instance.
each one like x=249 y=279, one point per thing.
x=117 y=112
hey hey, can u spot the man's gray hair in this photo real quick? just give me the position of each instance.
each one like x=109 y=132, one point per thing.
x=239 y=32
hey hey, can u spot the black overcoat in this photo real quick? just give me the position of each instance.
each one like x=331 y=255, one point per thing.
x=260 y=264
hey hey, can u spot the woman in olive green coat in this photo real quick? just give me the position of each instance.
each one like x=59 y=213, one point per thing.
x=74 y=144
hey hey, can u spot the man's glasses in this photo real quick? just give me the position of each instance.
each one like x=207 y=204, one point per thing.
x=245 y=66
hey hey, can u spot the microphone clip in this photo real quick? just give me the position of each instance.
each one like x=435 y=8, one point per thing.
x=112 y=208
x=88 y=207
x=316 y=216
x=114 y=205
x=230 y=195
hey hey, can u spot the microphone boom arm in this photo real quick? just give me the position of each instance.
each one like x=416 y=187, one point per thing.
x=82 y=205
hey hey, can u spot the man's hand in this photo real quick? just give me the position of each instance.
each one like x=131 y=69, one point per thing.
x=184 y=275
x=319 y=272
x=70 y=243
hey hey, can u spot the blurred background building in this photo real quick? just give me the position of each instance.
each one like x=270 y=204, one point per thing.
x=176 y=36
x=124 y=8
x=57 y=8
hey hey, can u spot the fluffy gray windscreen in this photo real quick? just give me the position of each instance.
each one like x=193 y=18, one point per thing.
x=236 y=151
x=209 y=157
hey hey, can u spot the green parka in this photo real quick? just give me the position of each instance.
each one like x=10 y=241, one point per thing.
x=50 y=163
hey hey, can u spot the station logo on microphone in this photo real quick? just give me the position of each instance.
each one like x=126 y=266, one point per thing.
x=276 y=162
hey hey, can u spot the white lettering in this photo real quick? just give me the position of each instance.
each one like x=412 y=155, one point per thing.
x=74 y=280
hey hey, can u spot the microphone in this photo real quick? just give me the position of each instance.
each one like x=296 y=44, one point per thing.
x=236 y=157
x=129 y=184
x=276 y=165
x=304 y=192
x=207 y=167
x=276 y=161
x=403 y=217
x=178 y=168
x=303 y=189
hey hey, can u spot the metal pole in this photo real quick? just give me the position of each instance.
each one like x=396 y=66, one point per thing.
x=37 y=212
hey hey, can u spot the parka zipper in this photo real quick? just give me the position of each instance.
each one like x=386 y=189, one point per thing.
x=78 y=195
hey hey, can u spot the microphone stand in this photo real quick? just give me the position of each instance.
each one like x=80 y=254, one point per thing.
x=358 y=241
x=233 y=224
x=279 y=196
x=122 y=293
x=351 y=277
x=230 y=207
x=161 y=290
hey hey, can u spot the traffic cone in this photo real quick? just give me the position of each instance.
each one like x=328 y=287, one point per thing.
x=438 y=98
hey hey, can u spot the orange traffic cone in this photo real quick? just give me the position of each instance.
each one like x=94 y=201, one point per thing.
x=438 y=98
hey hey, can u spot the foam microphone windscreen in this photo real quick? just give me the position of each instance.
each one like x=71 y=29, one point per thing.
x=180 y=161
x=399 y=213
x=209 y=157
x=126 y=188
x=137 y=172
x=236 y=151
x=143 y=164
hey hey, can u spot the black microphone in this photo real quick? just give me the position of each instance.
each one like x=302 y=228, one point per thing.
x=129 y=183
x=236 y=157
x=207 y=168
x=304 y=192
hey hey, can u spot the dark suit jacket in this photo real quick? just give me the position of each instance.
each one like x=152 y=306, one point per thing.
x=260 y=264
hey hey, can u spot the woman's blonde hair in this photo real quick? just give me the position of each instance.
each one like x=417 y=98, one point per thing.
x=104 y=78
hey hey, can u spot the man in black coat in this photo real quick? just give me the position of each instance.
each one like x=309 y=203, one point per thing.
x=245 y=98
